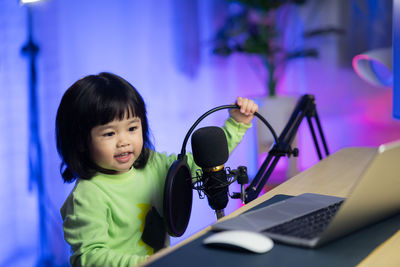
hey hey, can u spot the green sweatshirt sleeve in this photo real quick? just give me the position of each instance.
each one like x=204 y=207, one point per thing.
x=234 y=132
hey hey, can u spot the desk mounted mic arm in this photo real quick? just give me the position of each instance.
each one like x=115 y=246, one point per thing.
x=305 y=108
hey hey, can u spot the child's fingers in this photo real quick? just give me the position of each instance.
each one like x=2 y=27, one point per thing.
x=254 y=107
x=247 y=106
x=244 y=106
x=239 y=101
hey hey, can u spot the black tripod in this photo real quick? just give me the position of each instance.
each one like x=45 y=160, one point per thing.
x=305 y=108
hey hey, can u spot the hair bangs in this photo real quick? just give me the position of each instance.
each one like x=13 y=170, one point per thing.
x=116 y=107
x=118 y=110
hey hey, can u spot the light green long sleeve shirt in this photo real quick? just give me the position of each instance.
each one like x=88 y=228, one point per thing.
x=104 y=216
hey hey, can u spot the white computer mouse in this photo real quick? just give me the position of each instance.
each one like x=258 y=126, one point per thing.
x=247 y=240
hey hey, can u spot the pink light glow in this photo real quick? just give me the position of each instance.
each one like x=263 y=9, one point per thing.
x=355 y=61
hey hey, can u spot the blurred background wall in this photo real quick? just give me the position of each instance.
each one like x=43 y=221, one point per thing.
x=164 y=48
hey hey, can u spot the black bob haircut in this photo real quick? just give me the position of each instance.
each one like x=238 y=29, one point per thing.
x=91 y=101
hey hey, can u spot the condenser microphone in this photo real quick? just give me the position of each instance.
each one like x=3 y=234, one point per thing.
x=210 y=152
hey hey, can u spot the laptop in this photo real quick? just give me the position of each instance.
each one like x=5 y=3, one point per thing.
x=310 y=220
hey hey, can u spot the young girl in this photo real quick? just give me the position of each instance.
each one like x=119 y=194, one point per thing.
x=103 y=141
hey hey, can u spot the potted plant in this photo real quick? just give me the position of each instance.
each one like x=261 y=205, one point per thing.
x=251 y=28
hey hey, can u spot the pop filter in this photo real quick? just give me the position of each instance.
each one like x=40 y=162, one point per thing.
x=178 y=197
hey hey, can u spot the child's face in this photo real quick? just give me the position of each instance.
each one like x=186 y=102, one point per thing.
x=117 y=144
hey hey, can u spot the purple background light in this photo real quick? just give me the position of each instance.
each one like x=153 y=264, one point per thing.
x=164 y=49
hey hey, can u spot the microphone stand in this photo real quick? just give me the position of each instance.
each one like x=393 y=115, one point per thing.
x=220 y=213
x=305 y=107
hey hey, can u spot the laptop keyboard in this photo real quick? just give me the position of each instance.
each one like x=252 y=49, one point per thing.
x=307 y=226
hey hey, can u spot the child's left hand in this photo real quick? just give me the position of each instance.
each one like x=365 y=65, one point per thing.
x=246 y=112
